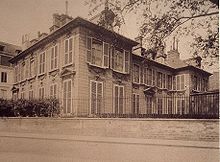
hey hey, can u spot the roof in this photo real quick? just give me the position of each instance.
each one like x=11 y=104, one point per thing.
x=78 y=21
x=176 y=68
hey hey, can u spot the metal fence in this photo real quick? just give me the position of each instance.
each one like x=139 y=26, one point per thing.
x=193 y=106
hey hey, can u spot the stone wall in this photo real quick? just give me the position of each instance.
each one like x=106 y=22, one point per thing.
x=172 y=129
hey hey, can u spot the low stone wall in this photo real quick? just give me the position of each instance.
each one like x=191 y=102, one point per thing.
x=173 y=129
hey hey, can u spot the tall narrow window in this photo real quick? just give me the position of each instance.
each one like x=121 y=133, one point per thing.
x=160 y=105
x=182 y=85
x=22 y=71
x=31 y=94
x=41 y=93
x=42 y=61
x=97 y=52
x=118 y=60
x=68 y=51
x=135 y=109
x=67 y=96
x=54 y=56
x=153 y=77
x=178 y=82
x=96 y=97
x=4 y=77
x=53 y=91
x=170 y=82
x=32 y=66
x=149 y=78
x=89 y=48
x=149 y=104
x=136 y=74
x=118 y=99
x=159 y=79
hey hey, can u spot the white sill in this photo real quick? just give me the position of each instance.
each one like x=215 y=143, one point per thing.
x=52 y=70
x=42 y=74
x=102 y=67
x=67 y=65
x=121 y=72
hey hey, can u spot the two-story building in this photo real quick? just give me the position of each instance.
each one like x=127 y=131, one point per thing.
x=7 y=51
x=93 y=70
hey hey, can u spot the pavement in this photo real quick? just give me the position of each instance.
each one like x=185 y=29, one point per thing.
x=22 y=147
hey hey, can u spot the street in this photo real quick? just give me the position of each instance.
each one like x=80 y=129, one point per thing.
x=18 y=149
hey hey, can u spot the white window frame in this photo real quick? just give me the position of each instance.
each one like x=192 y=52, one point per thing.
x=54 y=52
x=52 y=89
x=96 y=82
x=136 y=103
x=43 y=63
x=139 y=75
x=114 y=97
x=71 y=95
x=67 y=53
x=4 y=77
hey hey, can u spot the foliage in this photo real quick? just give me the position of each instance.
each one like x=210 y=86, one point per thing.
x=160 y=19
x=29 y=108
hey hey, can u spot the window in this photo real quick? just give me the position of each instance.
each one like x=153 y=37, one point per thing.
x=160 y=105
x=164 y=81
x=136 y=103
x=5 y=60
x=97 y=52
x=41 y=93
x=22 y=71
x=16 y=74
x=3 y=93
x=54 y=56
x=136 y=74
x=4 y=77
x=145 y=70
x=153 y=77
x=68 y=51
x=67 y=96
x=118 y=97
x=42 y=63
x=53 y=91
x=159 y=79
x=22 y=94
x=149 y=78
x=180 y=82
x=170 y=82
x=31 y=94
x=149 y=104
x=96 y=97
x=32 y=67
x=120 y=60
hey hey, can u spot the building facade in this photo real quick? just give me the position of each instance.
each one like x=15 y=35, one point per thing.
x=93 y=70
x=7 y=51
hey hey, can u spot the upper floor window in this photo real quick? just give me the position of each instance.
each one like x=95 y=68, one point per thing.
x=97 y=52
x=136 y=74
x=4 y=60
x=170 y=82
x=120 y=60
x=159 y=79
x=4 y=77
x=54 y=56
x=180 y=82
x=42 y=61
x=68 y=51
x=32 y=68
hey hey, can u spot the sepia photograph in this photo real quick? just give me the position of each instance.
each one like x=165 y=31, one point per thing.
x=109 y=81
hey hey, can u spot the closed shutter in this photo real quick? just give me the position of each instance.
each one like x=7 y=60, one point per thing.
x=69 y=97
x=106 y=54
x=121 y=97
x=116 y=99
x=127 y=62
x=99 y=97
x=56 y=57
x=52 y=58
x=93 y=97
x=64 y=97
x=112 y=57
x=70 y=50
x=66 y=51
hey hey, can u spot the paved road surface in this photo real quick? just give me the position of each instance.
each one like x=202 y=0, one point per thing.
x=19 y=149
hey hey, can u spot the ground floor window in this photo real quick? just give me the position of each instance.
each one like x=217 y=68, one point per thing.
x=135 y=105
x=53 y=91
x=96 y=96
x=118 y=97
x=67 y=96
x=149 y=104
x=31 y=94
x=41 y=93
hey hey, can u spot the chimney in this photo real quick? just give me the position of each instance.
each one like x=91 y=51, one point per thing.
x=25 y=42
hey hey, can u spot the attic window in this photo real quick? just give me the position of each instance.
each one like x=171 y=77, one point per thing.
x=2 y=48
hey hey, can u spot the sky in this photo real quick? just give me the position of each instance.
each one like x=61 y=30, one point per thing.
x=19 y=17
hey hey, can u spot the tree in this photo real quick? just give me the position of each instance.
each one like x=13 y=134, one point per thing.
x=162 y=18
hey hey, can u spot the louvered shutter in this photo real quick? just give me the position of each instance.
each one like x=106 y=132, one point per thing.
x=99 y=97
x=64 y=96
x=121 y=99
x=106 y=54
x=116 y=99
x=52 y=58
x=93 y=97
x=66 y=51
x=182 y=82
x=69 y=97
x=127 y=62
x=70 y=50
